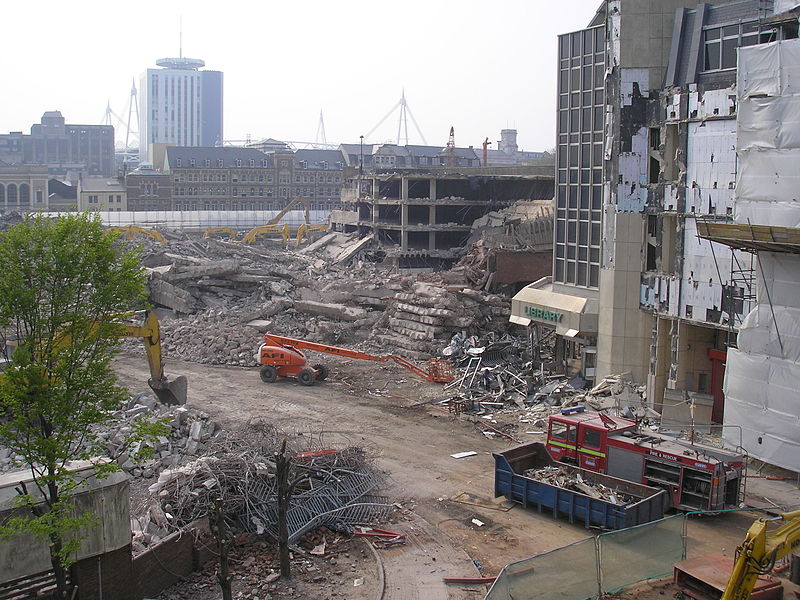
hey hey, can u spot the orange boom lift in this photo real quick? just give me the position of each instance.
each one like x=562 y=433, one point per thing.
x=283 y=357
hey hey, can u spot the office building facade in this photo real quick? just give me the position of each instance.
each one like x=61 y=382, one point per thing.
x=181 y=105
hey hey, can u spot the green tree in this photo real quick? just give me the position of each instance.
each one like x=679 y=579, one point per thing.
x=62 y=283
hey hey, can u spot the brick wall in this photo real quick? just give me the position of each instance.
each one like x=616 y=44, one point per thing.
x=105 y=576
x=515 y=267
x=120 y=576
x=163 y=565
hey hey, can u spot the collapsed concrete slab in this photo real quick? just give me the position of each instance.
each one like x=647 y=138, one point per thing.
x=214 y=269
x=166 y=294
x=348 y=252
x=333 y=311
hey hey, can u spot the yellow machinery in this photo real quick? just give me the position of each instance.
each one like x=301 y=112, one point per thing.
x=168 y=392
x=213 y=231
x=251 y=235
x=759 y=551
x=149 y=331
x=305 y=229
x=272 y=226
x=132 y=230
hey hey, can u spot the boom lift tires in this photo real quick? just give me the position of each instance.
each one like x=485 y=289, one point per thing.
x=322 y=372
x=269 y=374
x=307 y=376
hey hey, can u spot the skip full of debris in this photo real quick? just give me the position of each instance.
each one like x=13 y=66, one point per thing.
x=564 y=478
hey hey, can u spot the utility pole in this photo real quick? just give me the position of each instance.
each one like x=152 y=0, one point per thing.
x=282 y=466
x=361 y=167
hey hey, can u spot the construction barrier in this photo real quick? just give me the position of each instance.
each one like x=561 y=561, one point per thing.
x=611 y=561
x=595 y=565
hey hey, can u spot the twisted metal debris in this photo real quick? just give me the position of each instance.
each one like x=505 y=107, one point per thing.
x=332 y=487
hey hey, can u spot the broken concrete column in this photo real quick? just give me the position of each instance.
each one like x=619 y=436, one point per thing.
x=424 y=310
x=166 y=294
x=217 y=269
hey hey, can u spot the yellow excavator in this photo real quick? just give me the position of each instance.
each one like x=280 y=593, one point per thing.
x=130 y=231
x=305 y=229
x=216 y=231
x=166 y=390
x=148 y=329
x=757 y=554
x=272 y=226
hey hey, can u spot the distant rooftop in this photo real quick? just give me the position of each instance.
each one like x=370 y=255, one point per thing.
x=188 y=64
x=101 y=184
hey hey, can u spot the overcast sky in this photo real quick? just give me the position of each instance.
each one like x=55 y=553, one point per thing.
x=478 y=66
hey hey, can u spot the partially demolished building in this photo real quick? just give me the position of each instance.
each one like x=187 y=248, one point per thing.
x=646 y=155
x=423 y=219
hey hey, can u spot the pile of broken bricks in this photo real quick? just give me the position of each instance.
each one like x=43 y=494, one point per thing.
x=189 y=431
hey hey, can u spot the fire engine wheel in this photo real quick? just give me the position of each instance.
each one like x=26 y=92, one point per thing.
x=322 y=372
x=306 y=376
x=269 y=374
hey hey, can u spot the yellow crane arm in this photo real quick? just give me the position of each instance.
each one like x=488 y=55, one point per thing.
x=759 y=551
x=168 y=391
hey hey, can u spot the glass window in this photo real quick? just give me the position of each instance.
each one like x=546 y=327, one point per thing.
x=729 y=53
x=712 y=56
x=591 y=437
x=558 y=430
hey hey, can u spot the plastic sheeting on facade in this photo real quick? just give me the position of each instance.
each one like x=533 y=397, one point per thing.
x=784 y=5
x=768 y=139
x=762 y=375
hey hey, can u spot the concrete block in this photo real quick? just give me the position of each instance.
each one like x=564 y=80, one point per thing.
x=213 y=269
x=332 y=311
x=260 y=325
x=196 y=430
x=171 y=296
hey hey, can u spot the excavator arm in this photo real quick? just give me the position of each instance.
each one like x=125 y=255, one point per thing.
x=166 y=390
x=759 y=551
x=438 y=371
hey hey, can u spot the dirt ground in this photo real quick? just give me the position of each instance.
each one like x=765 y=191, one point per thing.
x=388 y=409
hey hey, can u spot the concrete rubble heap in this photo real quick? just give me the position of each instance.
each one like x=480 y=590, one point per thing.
x=500 y=387
x=223 y=295
x=189 y=432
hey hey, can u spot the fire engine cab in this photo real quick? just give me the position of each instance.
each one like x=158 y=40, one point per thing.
x=696 y=477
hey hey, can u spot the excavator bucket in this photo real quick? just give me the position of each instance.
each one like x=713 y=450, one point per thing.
x=170 y=392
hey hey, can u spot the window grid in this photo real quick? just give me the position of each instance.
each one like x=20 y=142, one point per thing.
x=579 y=158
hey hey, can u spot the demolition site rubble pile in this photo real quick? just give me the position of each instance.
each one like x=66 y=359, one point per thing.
x=565 y=478
x=499 y=385
x=333 y=488
x=189 y=432
x=224 y=295
x=425 y=318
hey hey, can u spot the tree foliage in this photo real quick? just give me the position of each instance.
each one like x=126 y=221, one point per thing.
x=63 y=282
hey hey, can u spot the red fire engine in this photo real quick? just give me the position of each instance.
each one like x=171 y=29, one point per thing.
x=696 y=477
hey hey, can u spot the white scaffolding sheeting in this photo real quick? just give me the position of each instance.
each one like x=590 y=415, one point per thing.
x=198 y=220
x=784 y=5
x=762 y=375
x=768 y=141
